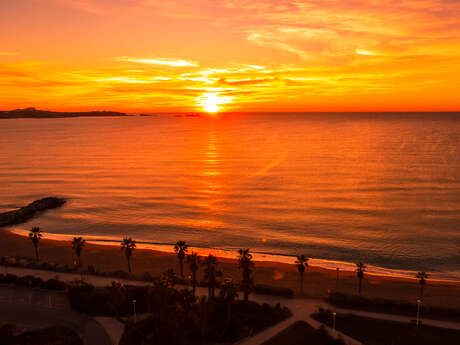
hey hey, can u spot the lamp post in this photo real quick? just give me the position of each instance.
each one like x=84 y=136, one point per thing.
x=419 y=302
x=334 y=314
x=134 y=307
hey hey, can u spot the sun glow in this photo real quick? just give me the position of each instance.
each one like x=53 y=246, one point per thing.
x=211 y=102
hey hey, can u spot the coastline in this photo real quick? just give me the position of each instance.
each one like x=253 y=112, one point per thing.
x=318 y=280
x=330 y=265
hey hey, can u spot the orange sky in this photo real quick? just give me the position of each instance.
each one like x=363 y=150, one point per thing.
x=244 y=55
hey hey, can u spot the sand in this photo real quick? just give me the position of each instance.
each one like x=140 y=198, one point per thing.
x=317 y=280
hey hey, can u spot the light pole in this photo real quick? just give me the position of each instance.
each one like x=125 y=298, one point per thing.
x=134 y=305
x=334 y=314
x=419 y=302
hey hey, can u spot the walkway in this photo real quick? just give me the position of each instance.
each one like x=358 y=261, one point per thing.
x=301 y=308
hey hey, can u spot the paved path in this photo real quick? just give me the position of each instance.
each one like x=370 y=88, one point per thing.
x=31 y=309
x=301 y=308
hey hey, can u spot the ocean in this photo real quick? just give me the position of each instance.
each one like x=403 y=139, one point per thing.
x=381 y=188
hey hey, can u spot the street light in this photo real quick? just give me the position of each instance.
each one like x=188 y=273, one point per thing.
x=419 y=302
x=334 y=314
x=134 y=305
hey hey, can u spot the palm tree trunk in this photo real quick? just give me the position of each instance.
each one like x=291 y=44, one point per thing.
x=181 y=266
x=129 y=264
x=36 y=253
x=421 y=292
x=360 y=285
x=193 y=282
x=301 y=282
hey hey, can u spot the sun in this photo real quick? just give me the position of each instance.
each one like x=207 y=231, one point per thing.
x=212 y=101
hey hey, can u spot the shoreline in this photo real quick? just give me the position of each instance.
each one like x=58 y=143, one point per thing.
x=167 y=248
x=318 y=281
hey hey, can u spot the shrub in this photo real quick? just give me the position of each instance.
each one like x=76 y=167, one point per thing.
x=54 y=284
x=121 y=274
x=8 y=278
x=273 y=290
x=29 y=281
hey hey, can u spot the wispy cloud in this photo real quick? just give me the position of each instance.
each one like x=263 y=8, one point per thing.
x=159 y=61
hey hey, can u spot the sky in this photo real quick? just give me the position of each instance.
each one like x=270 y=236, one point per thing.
x=230 y=55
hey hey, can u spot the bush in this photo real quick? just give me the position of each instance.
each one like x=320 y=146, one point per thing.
x=8 y=278
x=54 y=284
x=29 y=281
x=273 y=290
x=121 y=274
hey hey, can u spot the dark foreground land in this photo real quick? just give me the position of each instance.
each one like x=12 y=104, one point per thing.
x=46 y=114
x=382 y=332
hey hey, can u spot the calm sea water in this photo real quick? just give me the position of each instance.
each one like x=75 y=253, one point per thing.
x=379 y=188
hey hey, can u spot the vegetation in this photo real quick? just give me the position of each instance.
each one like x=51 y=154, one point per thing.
x=57 y=335
x=301 y=333
x=194 y=263
x=30 y=281
x=390 y=307
x=263 y=289
x=211 y=273
x=246 y=264
x=35 y=235
x=422 y=277
x=302 y=264
x=181 y=249
x=127 y=246
x=176 y=316
x=382 y=332
x=78 y=244
x=360 y=268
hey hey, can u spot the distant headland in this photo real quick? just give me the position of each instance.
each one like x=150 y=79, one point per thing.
x=46 y=114
x=28 y=212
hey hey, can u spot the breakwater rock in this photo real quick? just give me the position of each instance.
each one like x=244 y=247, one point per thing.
x=28 y=212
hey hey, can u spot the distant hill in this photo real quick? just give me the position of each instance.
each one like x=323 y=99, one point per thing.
x=46 y=114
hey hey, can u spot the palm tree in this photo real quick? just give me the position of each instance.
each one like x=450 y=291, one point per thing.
x=168 y=278
x=181 y=249
x=77 y=245
x=194 y=263
x=229 y=292
x=422 y=276
x=127 y=246
x=360 y=268
x=245 y=264
x=35 y=235
x=211 y=273
x=302 y=264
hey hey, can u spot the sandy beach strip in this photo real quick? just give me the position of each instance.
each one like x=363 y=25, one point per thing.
x=318 y=281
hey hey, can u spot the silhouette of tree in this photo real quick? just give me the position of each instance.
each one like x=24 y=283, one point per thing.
x=229 y=292
x=35 y=235
x=117 y=296
x=211 y=273
x=169 y=278
x=181 y=249
x=422 y=277
x=360 y=268
x=77 y=245
x=302 y=264
x=245 y=264
x=194 y=263
x=127 y=246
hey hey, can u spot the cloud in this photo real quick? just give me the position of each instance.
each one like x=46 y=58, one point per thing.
x=159 y=61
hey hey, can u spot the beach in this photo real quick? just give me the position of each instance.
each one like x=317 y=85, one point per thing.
x=318 y=281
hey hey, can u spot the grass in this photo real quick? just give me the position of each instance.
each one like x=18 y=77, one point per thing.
x=301 y=333
x=382 y=332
